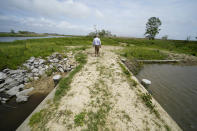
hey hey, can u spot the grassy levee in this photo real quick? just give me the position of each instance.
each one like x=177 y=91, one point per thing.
x=142 y=53
x=177 y=46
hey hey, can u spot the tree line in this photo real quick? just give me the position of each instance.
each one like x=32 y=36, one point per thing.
x=21 y=32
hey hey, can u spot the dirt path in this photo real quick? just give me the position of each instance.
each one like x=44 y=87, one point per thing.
x=101 y=97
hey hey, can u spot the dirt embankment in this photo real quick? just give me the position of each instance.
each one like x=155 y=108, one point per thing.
x=102 y=97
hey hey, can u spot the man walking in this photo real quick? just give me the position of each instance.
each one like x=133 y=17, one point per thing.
x=97 y=44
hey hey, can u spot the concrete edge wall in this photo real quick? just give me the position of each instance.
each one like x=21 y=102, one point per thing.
x=166 y=117
x=25 y=125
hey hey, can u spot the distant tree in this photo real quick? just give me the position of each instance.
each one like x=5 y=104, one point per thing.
x=104 y=33
x=92 y=34
x=196 y=37
x=165 y=37
x=152 y=28
x=25 y=32
x=101 y=33
x=12 y=31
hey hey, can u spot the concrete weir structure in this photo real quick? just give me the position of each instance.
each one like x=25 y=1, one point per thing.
x=25 y=126
x=128 y=98
x=159 y=61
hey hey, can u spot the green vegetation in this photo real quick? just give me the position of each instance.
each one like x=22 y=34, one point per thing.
x=96 y=119
x=101 y=33
x=50 y=71
x=21 y=34
x=64 y=84
x=13 y=54
x=142 y=53
x=131 y=81
x=167 y=127
x=152 y=27
x=38 y=117
x=177 y=46
x=147 y=98
x=79 y=119
x=125 y=71
x=126 y=116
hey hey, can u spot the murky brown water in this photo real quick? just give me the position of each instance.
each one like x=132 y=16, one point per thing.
x=175 y=88
x=13 y=114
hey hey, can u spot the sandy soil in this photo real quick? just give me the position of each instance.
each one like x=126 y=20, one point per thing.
x=101 y=97
x=44 y=85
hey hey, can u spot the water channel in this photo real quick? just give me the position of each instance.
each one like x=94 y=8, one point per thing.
x=175 y=88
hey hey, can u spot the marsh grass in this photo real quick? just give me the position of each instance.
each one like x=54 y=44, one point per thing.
x=21 y=35
x=14 y=54
x=141 y=53
x=177 y=46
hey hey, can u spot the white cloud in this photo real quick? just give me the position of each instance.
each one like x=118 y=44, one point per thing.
x=51 y=8
x=99 y=14
x=126 y=17
x=43 y=25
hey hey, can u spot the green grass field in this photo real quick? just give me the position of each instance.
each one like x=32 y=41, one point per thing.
x=177 y=46
x=13 y=54
x=20 y=35
x=142 y=53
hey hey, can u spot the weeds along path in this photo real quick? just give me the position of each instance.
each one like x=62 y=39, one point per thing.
x=102 y=97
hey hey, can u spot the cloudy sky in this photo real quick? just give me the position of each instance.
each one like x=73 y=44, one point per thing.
x=121 y=17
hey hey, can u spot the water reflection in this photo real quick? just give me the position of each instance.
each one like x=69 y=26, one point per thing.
x=175 y=88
